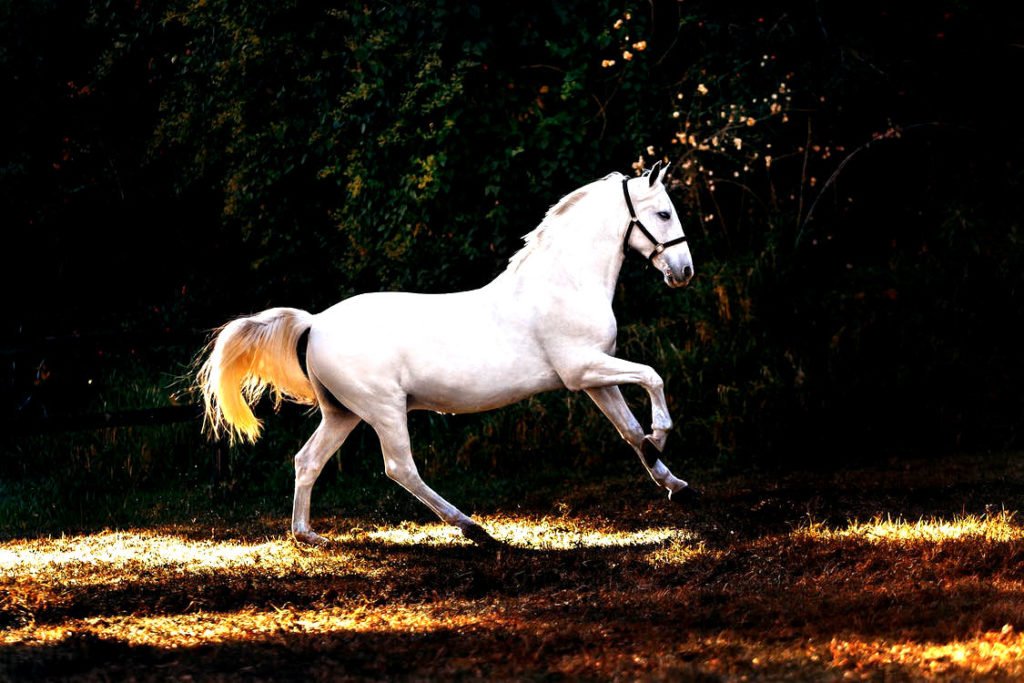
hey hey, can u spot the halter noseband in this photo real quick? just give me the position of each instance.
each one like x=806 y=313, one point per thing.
x=634 y=222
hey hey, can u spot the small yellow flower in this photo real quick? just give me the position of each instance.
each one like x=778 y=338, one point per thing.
x=627 y=55
x=751 y=120
x=650 y=150
x=617 y=25
x=702 y=89
x=737 y=143
x=607 y=63
x=640 y=46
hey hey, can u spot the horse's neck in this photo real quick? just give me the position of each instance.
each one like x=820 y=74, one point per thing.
x=584 y=259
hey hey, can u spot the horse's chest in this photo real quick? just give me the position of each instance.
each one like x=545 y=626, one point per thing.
x=589 y=332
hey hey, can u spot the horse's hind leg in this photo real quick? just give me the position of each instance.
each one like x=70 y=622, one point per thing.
x=393 y=430
x=334 y=428
x=611 y=403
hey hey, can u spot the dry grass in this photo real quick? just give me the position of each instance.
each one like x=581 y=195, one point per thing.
x=606 y=583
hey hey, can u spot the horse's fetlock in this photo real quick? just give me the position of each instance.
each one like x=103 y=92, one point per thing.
x=633 y=436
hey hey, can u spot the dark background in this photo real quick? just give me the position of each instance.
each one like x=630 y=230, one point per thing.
x=166 y=166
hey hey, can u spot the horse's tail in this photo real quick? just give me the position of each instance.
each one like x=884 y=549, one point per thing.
x=246 y=357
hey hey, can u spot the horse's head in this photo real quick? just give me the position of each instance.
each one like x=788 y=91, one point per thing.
x=654 y=230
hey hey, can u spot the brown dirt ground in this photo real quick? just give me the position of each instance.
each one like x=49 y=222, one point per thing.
x=901 y=572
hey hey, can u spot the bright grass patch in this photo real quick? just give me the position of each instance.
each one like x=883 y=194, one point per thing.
x=998 y=527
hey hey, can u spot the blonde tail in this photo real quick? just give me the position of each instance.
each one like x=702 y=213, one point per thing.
x=248 y=356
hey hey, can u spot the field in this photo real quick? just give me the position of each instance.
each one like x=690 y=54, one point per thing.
x=898 y=571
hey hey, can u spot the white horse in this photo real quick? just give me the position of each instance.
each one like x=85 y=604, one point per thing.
x=544 y=323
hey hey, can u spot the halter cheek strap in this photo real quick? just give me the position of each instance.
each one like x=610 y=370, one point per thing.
x=634 y=222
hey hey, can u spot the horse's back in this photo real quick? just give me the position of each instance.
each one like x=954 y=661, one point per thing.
x=393 y=322
x=460 y=352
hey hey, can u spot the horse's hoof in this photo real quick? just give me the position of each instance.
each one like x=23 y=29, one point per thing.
x=685 y=496
x=309 y=538
x=477 y=534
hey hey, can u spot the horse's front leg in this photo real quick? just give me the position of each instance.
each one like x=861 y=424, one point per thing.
x=608 y=371
x=611 y=403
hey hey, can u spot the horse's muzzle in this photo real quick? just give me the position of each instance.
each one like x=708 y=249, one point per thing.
x=673 y=279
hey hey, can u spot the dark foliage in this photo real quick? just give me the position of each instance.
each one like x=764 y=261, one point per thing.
x=850 y=175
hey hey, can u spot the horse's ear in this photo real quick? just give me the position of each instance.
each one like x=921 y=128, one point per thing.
x=655 y=174
x=663 y=174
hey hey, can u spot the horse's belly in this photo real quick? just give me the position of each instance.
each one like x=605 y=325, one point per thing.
x=470 y=388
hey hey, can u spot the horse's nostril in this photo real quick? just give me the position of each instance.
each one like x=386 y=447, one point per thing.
x=687 y=272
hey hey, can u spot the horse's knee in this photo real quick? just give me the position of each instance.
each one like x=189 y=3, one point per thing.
x=654 y=380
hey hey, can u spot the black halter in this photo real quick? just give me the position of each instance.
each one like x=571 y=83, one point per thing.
x=634 y=222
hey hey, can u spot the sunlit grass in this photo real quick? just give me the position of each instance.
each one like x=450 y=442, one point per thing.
x=95 y=558
x=543 y=533
x=990 y=652
x=680 y=551
x=734 y=656
x=993 y=652
x=45 y=566
x=1000 y=527
x=205 y=627
x=91 y=557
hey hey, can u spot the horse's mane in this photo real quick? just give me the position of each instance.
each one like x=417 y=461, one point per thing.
x=536 y=239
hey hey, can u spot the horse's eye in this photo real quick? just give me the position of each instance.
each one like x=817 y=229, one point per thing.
x=664 y=215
